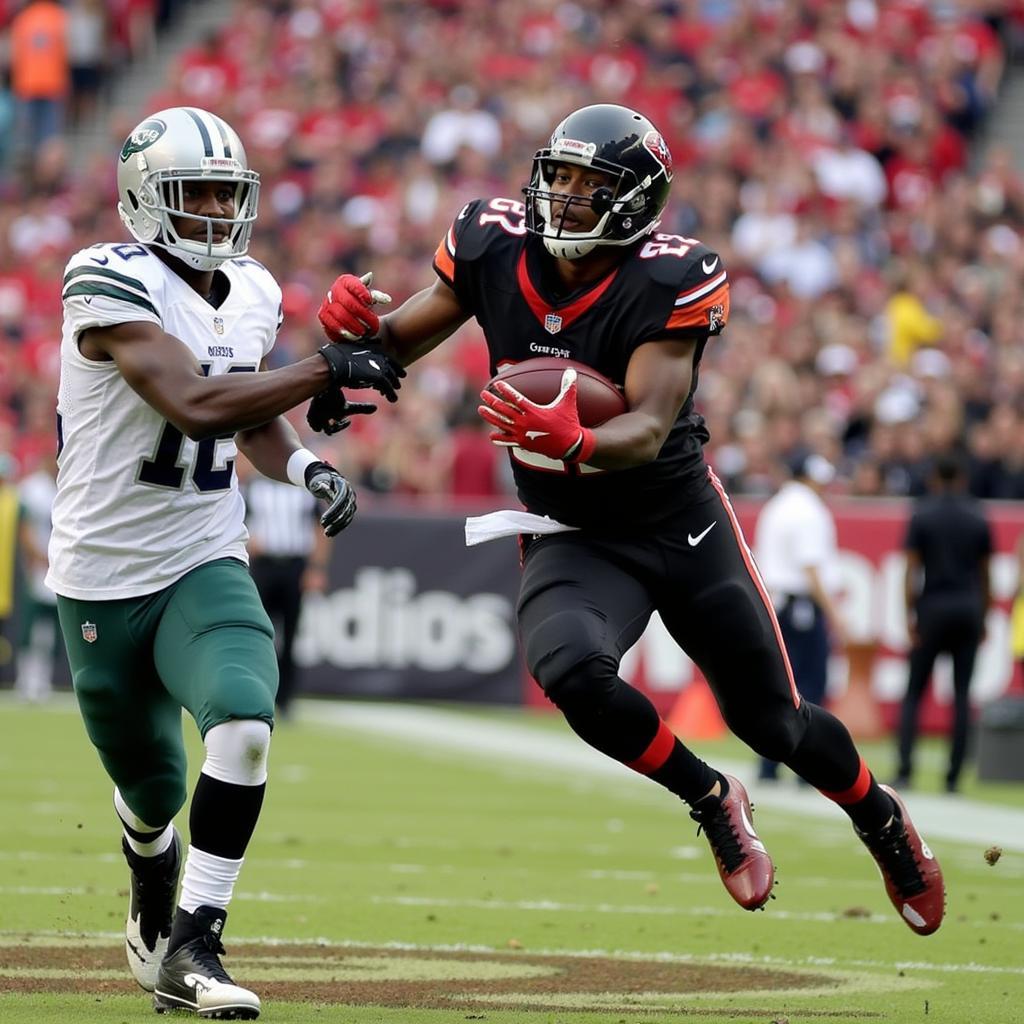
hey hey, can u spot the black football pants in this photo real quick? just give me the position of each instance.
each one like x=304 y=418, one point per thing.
x=584 y=601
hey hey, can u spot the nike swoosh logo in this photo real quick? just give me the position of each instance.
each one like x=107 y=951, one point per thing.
x=708 y=267
x=531 y=434
x=694 y=541
x=101 y=260
x=749 y=826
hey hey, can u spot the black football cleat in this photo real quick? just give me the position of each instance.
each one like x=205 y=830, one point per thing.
x=743 y=863
x=912 y=876
x=192 y=978
x=153 y=892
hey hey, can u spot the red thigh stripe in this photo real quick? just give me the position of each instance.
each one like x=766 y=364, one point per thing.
x=657 y=753
x=748 y=558
x=856 y=792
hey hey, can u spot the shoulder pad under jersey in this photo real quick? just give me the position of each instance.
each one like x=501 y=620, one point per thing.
x=698 y=276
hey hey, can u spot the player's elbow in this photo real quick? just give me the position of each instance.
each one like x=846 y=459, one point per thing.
x=196 y=422
x=198 y=432
x=638 y=452
x=200 y=413
x=648 y=444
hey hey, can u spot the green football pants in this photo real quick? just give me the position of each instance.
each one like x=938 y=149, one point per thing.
x=204 y=644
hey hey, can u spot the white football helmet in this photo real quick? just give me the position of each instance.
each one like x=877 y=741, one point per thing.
x=167 y=149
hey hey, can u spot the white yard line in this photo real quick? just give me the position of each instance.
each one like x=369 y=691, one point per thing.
x=951 y=818
x=54 y=890
x=58 y=939
x=640 y=909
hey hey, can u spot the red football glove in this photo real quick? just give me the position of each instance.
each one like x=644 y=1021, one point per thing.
x=346 y=312
x=553 y=430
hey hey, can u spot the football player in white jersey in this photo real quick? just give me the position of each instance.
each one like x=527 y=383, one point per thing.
x=163 y=381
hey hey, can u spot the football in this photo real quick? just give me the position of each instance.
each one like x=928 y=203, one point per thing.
x=597 y=398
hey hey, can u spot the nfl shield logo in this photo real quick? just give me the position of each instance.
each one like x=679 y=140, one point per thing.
x=552 y=323
x=218 y=325
x=89 y=632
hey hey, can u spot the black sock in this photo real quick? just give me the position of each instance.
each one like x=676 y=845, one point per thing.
x=187 y=927
x=223 y=816
x=686 y=775
x=183 y=929
x=872 y=813
x=723 y=791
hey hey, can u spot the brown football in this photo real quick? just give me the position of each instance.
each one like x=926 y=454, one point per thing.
x=597 y=398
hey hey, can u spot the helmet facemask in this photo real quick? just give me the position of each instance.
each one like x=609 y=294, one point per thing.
x=620 y=206
x=160 y=199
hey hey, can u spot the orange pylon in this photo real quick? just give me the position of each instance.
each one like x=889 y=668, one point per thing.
x=695 y=714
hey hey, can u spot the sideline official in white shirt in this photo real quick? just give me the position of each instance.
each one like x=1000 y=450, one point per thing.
x=796 y=552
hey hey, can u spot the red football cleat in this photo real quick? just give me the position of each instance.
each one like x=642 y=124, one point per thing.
x=743 y=863
x=912 y=876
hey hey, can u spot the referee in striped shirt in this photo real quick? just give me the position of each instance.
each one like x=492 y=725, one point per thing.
x=288 y=557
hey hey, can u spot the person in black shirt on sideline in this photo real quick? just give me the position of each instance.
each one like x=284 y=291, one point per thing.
x=626 y=519
x=947 y=592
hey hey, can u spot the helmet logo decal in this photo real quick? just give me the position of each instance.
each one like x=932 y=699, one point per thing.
x=143 y=137
x=580 y=151
x=655 y=145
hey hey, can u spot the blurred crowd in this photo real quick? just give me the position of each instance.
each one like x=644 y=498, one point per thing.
x=57 y=58
x=827 y=150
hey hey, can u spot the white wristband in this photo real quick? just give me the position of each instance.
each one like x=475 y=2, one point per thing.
x=298 y=462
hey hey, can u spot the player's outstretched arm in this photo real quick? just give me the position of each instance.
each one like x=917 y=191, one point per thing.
x=420 y=324
x=270 y=445
x=164 y=372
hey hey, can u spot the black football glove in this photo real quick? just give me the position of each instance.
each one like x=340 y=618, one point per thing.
x=325 y=483
x=356 y=366
x=329 y=411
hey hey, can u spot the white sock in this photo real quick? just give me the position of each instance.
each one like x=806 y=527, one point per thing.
x=130 y=820
x=208 y=881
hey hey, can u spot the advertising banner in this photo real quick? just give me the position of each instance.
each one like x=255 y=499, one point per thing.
x=411 y=612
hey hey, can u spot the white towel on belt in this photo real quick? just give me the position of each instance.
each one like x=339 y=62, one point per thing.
x=507 y=523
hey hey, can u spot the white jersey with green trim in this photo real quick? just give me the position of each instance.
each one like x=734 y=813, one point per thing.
x=139 y=504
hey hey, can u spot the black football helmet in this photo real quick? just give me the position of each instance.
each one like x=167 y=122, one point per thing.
x=623 y=144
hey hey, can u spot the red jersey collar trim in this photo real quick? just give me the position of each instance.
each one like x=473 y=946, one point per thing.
x=542 y=309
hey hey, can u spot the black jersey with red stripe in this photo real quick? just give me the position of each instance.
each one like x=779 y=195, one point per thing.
x=666 y=288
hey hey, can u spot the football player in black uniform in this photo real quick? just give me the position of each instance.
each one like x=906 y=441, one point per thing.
x=580 y=271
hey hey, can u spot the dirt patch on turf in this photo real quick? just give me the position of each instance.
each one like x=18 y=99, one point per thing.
x=433 y=979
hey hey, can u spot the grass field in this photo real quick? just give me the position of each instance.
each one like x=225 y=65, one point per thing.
x=399 y=877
